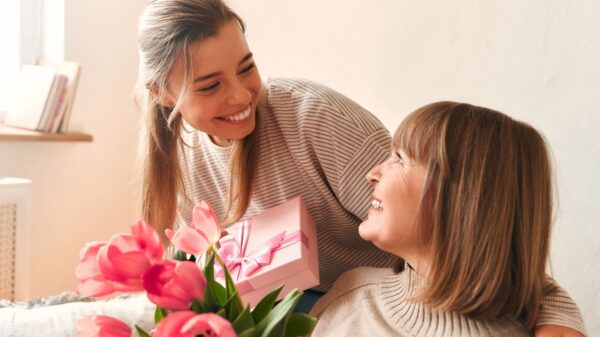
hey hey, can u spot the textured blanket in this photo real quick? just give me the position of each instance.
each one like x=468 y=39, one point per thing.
x=57 y=316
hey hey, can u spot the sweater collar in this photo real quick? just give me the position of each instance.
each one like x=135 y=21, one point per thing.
x=398 y=290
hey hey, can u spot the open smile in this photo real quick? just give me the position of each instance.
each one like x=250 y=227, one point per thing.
x=376 y=205
x=238 y=118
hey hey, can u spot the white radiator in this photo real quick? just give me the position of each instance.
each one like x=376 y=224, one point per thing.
x=15 y=238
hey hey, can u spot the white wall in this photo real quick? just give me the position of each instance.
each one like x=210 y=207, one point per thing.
x=84 y=191
x=537 y=60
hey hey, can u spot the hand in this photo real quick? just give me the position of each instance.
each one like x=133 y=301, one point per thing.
x=556 y=331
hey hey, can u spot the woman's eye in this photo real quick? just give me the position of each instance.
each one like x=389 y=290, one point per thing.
x=209 y=88
x=396 y=158
x=247 y=69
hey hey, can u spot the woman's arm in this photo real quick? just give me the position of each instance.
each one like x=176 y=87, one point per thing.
x=559 y=316
x=556 y=331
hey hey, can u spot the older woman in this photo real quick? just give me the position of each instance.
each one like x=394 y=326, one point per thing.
x=465 y=200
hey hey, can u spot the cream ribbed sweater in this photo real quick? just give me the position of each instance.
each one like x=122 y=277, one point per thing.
x=370 y=301
x=317 y=144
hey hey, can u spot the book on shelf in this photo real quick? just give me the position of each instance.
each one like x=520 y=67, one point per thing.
x=45 y=96
x=71 y=71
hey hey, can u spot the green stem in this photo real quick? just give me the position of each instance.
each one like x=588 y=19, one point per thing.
x=222 y=264
x=216 y=255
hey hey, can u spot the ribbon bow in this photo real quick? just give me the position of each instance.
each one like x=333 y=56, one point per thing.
x=242 y=265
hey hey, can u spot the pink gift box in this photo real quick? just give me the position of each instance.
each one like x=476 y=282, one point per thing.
x=287 y=231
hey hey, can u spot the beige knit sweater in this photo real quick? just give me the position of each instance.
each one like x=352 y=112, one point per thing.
x=317 y=144
x=370 y=301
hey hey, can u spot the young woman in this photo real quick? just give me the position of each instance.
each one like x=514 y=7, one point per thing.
x=215 y=131
x=465 y=200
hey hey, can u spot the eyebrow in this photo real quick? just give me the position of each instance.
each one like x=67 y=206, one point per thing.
x=211 y=75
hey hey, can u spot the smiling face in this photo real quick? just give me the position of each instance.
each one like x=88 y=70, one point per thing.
x=224 y=88
x=392 y=221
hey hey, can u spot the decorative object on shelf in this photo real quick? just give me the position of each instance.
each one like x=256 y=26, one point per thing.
x=45 y=96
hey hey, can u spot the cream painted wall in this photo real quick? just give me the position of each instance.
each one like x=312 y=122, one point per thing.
x=84 y=191
x=537 y=60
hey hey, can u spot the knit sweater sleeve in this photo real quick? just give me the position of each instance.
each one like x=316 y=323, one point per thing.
x=347 y=141
x=354 y=192
x=559 y=309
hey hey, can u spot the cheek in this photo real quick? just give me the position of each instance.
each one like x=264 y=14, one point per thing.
x=381 y=229
x=197 y=110
x=254 y=83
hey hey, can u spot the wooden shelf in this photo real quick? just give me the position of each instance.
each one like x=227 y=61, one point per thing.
x=8 y=133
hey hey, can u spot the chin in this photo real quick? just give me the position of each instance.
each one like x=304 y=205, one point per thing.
x=365 y=233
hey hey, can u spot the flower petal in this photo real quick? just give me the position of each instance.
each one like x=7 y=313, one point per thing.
x=148 y=239
x=171 y=325
x=95 y=288
x=171 y=303
x=130 y=264
x=205 y=221
x=190 y=241
x=209 y=322
x=102 y=326
x=124 y=242
x=189 y=276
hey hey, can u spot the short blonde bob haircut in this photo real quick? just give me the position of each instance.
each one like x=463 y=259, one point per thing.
x=489 y=202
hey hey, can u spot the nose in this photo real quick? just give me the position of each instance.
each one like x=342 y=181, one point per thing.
x=374 y=175
x=239 y=94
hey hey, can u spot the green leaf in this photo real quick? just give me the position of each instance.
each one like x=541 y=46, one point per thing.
x=273 y=325
x=159 y=314
x=197 y=306
x=235 y=302
x=192 y=258
x=210 y=301
x=214 y=297
x=209 y=268
x=265 y=305
x=180 y=255
x=141 y=332
x=300 y=324
x=247 y=333
x=243 y=321
x=229 y=282
x=220 y=293
x=222 y=313
x=233 y=307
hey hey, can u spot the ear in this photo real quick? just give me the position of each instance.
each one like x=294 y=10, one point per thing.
x=165 y=101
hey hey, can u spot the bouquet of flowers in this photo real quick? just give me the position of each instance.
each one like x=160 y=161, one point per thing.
x=189 y=301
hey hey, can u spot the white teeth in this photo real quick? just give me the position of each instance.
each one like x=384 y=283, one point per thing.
x=239 y=117
x=376 y=204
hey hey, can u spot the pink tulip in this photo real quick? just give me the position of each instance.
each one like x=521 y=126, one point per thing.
x=204 y=231
x=101 y=326
x=88 y=272
x=189 y=324
x=174 y=285
x=118 y=265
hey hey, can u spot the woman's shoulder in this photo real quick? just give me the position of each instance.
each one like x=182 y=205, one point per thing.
x=303 y=103
x=300 y=93
x=298 y=89
x=361 y=276
x=354 y=285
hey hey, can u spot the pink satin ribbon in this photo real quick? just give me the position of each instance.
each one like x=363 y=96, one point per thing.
x=241 y=265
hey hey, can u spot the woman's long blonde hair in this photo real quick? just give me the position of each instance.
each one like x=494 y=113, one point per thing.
x=489 y=202
x=167 y=29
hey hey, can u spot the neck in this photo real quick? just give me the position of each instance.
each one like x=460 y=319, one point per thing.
x=420 y=266
x=418 y=260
